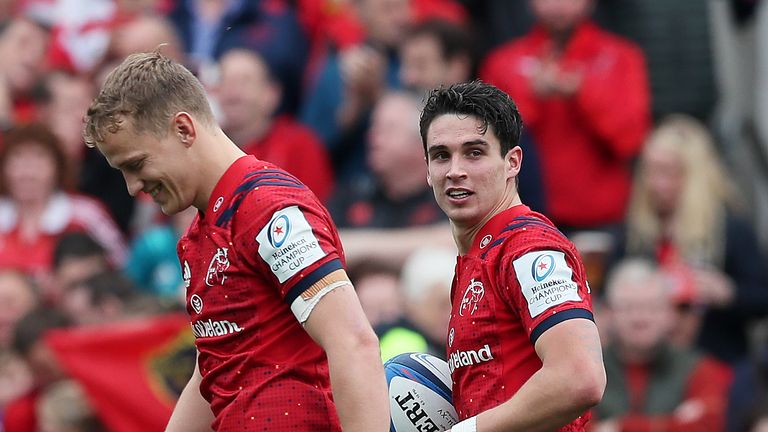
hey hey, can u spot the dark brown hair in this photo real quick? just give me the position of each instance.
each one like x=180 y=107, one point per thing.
x=37 y=134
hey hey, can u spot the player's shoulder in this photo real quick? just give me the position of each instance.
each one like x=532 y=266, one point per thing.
x=526 y=233
x=262 y=190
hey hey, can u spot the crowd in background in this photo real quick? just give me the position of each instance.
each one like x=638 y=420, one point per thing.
x=643 y=142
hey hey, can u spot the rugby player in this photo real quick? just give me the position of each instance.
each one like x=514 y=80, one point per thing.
x=282 y=341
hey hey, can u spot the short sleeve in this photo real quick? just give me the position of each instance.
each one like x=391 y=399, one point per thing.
x=286 y=235
x=546 y=287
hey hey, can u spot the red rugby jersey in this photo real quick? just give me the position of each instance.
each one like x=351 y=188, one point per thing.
x=520 y=277
x=257 y=252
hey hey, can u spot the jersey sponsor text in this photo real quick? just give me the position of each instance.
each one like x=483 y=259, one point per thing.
x=211 y=328
x=458 y=359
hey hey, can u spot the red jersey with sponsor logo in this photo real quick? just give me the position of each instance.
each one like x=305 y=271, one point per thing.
x=251 y=263
x=520 y=277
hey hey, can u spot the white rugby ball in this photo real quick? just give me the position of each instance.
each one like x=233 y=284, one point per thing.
x=419 y=393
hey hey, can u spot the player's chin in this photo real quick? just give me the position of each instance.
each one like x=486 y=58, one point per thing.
x=450 y=207
x=169 y=208
x=166 y=210
x=461 y=217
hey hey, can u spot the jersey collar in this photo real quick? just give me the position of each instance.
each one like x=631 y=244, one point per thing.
x=230 y=180
x=489 y=232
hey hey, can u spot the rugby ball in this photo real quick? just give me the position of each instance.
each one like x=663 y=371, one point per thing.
x=419 y=393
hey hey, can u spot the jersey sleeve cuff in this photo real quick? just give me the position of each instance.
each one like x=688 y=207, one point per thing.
x=557 y=319
x=312 y=278
x=308 y=292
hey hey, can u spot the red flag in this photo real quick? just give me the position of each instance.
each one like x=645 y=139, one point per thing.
x=132 y=371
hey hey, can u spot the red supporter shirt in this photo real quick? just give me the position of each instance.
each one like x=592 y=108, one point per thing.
x=520 y=277
x=21 y=414
x=708 y=386
x=585 y=142
x=296 y=149
x=64 y=212
x=252 y=264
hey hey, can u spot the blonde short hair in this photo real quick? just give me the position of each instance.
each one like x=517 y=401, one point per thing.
x=147 y=89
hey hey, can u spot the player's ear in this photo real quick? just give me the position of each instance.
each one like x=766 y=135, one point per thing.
x=514 y=160
x=184 y=128
x=429 y=180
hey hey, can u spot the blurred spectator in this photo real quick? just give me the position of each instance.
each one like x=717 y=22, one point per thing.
x=208 y=28
x=751 y=81
x=76 y=257
x=104 y=297
x=7 y=8
x=68 y=97
x=760 y=424
x=80 y=31
x=249 y=95
x=153 y=264
x=20 y=414
x=350 y=82
x=145 y=33
x=399 y=195
x=85 y=33
x=333 y=23
x=36 y=208
x=18 y=296
x=565 y=76
x=63 y=407
x=683 y=214
x=138 y=7
x=436 y=53
x=328 y=24
x=675 y=37
x=498 y=21
x=748 y=396
x=377 y=287
x=388 y=218
x=23 y=44
x=142 y=32
x=653 y=386
x=426 y=286
x=15 y=379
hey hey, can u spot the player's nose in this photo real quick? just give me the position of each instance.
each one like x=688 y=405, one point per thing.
x=133 y=183
x=456 y=169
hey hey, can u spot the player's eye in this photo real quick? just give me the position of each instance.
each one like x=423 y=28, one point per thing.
x=134 y=166
x=475 y=153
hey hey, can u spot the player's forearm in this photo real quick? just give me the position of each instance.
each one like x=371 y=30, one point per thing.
x=192 y=413
x=570 y=381
x=359 y=387
x=550 y=399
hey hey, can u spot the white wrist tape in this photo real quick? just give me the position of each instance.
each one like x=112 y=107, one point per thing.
x=468 y=425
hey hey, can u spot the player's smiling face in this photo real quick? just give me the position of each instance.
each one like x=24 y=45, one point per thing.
x=470 y=178
x=158 y=166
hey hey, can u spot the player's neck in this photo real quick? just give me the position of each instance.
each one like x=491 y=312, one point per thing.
x=464 y=236
x=215 y=159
